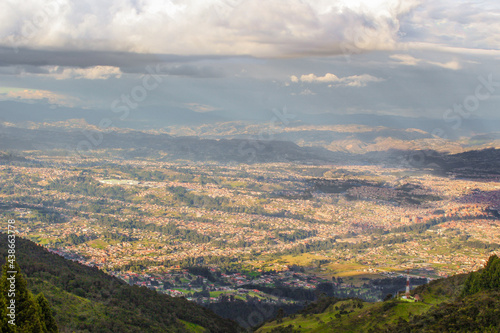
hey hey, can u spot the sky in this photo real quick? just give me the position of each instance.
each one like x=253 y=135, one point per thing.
x=411 y=58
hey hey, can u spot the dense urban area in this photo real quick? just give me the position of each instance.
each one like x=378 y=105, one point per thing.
x=213 y=232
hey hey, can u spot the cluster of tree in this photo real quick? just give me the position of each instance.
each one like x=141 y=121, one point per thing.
x=239 y=243
x=169 y=229
x=340 y=185
x=117 y=236
x=184 y=234
x=486 y=279
x=476 y=244
x=224 y=264
x=201 y=293
x=326 y=288
x=86 y=185
x=207 y=180
x=402 y=199
x=75 y=239
x=323 y=303
x=138 y=266
x=30 y=200
x=296 y=268
x=8 y=189
x=332 y=243
x=219 y=243
x=373 y=243
x=296 y=235
x=258 y=225
x=201 y=271
x=251 y=314
x=419 y=227
x=20 y=310
x=101 y=206
x=393 y=285
x=424 y=226
x=298 y=294
x=182 y=195
x=47 y=216
x=147 y=175
x=292 y=195
x=176 y=174
x=312 y=246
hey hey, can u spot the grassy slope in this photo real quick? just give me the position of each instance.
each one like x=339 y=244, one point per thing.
x=372 y=316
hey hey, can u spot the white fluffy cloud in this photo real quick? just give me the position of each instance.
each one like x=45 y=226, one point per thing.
x=92 y=73
x=279 y=28
x=406 y=59
x=334 y=80
x=30 y=95
x=258 y=27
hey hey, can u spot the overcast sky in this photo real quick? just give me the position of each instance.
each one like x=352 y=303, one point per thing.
x=411 y=58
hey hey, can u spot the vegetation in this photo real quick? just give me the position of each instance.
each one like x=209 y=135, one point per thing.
x=477 y=309
x=21 y=311
x=461 y=303
x=86 y=299
x=484 y=280
x=86 y=185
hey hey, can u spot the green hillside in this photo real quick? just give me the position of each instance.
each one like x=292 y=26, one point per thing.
x=84 y=299
x=461 y=303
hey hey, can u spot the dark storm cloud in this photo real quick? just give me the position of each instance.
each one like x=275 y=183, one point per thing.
x=36 y=61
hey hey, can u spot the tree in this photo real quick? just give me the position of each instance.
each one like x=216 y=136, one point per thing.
x=4 y=325
x=27 y=313
x=279 y=317
x=486 y=279
x=46 y=314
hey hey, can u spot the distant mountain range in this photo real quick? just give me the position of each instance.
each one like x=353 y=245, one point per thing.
x=243 y=143
x=130 y=144
x=155 y=118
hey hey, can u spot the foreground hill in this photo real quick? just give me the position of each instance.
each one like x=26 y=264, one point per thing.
x=461 y=303
x=84 y=299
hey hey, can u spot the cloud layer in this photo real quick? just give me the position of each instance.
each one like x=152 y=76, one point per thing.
x=334 y=80
x=281 y=28
x=30 y=96
x=237 y=57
